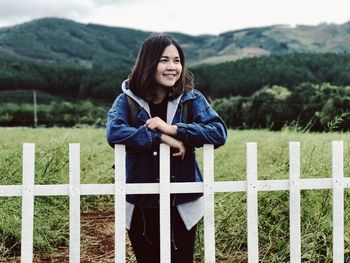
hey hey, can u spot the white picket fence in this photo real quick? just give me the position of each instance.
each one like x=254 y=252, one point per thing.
x=252 y=186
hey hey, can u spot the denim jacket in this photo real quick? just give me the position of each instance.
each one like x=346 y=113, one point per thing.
x=142 y=144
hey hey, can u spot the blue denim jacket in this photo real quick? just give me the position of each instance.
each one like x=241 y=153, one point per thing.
x=142 y=144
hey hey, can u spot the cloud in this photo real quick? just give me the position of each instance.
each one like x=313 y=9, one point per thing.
x=114 y=2
x=193 y=17
x=37 y=7
x=20 y=11
x=17 y=11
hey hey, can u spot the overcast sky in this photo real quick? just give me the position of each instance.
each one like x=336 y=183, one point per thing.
x=188 y=16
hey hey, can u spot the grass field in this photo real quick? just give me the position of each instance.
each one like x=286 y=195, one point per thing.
x=51 y=213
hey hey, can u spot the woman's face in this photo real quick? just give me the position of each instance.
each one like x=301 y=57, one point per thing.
x=169 y=67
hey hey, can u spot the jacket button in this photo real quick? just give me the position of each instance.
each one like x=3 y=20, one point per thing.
x=155 y=153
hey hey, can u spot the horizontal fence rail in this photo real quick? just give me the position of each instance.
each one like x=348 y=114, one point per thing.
x=28 y=190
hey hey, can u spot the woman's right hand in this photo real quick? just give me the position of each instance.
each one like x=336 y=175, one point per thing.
x=173 y=143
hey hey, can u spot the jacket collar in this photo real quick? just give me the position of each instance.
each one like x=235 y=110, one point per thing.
x=189 y=95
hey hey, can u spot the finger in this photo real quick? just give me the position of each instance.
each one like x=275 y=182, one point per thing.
x=152 y=127
x=149 y=121
x=183 y=155
x=179 y=154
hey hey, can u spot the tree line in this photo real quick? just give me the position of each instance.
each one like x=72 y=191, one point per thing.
x=305 y=90
x=62 y=80
x=307 y=107
x=242 y=77
x=246 y=76
x=55 y=113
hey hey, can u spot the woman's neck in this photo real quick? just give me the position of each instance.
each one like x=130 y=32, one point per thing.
x=160 y=93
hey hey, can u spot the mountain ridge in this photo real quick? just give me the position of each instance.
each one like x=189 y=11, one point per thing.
x=58 y=40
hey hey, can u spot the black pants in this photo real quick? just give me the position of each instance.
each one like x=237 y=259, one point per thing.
x=145 y=238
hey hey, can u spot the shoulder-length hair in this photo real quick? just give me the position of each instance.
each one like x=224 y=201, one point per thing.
x=141 y=79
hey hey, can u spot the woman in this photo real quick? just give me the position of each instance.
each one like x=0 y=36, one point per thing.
x=170 y=111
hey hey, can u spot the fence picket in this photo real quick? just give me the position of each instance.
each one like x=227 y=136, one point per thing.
x=74 y=202
x=294 y=202
x=119 y=210
x=27 y=203
x=252 y=203
x=208 y=195
x=338 y=201
x=164 y=203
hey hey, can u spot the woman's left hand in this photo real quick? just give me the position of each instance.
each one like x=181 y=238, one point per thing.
x=157 y=123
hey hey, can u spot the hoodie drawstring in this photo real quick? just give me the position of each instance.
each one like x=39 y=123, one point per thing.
x=173 y=243
x=144 y=234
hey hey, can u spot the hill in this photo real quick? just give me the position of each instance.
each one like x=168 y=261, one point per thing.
x=279 y=40
x=53 y=40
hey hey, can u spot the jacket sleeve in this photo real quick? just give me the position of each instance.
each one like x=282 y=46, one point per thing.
x=207 y=126
x=119 y=131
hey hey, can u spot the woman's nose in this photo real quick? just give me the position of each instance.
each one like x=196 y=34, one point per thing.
x=171 y=66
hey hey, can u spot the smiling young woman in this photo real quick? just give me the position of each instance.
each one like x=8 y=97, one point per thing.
x=161 y=86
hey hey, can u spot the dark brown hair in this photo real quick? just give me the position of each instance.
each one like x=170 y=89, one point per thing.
x=141 y=78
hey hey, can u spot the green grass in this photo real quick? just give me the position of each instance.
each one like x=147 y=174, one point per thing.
x=51 y=213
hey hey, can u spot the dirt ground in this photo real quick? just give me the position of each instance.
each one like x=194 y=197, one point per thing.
x=97 y=241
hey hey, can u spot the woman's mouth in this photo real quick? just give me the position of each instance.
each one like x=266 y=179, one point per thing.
x=169 y=76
